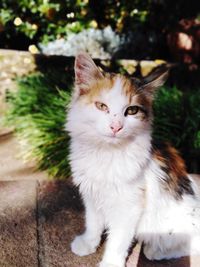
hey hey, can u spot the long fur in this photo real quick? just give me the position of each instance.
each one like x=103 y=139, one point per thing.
x=131 y=185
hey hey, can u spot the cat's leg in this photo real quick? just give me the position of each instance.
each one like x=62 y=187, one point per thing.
x=88 y=242
x=167 y=248
x=156 y=254
x=120 y=236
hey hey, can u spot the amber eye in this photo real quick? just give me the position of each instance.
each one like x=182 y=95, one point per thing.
x=101 y=106
x=132 y=110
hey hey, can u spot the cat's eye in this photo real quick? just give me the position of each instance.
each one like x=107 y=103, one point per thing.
x=101 y=106
x=132 y=110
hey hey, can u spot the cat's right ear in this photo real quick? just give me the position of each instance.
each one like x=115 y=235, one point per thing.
x=153 y=81
x=86 y=72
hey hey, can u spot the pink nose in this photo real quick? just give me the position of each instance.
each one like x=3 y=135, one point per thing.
x=116 y=127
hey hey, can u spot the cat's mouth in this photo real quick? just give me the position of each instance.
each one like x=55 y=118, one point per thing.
x=112 y=138
x=117 y=138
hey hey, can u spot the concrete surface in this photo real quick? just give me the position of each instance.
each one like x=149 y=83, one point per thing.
x=18 y=225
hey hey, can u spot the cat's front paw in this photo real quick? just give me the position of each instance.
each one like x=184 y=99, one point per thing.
x=106 y=264
x=81 y=247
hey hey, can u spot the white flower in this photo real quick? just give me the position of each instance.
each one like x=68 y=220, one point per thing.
x=98 y=43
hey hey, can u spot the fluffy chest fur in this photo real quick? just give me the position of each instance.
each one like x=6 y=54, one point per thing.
x=105 y=170
x=111 y=178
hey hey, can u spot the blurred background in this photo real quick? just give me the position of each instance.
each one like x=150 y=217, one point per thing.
x=131 y=37
x=142 y=29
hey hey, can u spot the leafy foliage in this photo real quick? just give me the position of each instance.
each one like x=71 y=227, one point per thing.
x=41 y=21
x=145 y=22
x=37 y=111
x=177 y=119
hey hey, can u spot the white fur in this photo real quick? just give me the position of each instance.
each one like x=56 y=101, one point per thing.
x=119 y=185
x=169 y=228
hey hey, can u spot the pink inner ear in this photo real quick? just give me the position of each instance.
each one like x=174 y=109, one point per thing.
x=83 y=68
x=79 y=76
x=85 y=71
x=82 y=91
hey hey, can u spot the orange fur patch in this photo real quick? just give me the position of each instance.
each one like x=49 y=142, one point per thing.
x=96 y=86
x=173 y=165
x=107 y=82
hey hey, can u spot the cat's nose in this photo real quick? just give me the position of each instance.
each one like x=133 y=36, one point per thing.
x=116 y=127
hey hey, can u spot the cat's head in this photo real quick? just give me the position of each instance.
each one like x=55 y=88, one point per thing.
x=109 y=108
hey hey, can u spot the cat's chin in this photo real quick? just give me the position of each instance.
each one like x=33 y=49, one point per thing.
x=115 y=140
x=112 y=139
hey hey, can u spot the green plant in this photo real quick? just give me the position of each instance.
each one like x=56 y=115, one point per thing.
x=168 y=110
x=42 y=21
x=177 y=119
x=37 y=111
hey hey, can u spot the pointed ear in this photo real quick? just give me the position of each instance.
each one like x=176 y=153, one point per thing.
x=153 y=81
x=85 y=72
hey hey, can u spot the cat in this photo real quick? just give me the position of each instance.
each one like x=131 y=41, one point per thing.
x=132 y=186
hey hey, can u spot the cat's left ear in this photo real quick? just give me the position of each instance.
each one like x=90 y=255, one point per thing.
x=86 y=72
x=155 y=80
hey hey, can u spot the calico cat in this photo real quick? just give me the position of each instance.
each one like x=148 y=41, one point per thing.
x=132 y=186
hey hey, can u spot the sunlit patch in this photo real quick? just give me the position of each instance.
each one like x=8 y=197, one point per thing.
x=17 y=21
x=33 y=49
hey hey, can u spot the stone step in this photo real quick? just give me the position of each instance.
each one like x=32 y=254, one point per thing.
x=38 y=221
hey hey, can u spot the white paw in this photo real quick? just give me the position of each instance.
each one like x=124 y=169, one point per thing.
x=105 y=264
x=151 y=254
x=81 y=247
